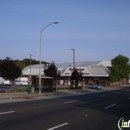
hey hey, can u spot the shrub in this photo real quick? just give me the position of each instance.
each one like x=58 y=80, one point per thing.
x=19 y=90
x=60 y=88
x=77 y=87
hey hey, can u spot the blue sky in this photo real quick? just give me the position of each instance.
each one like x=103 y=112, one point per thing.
x=96 y=29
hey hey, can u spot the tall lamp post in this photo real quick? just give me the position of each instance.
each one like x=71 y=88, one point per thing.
x=40 y=56
x=73 y=58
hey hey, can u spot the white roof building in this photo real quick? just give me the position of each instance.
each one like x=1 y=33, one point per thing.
x=89 y=69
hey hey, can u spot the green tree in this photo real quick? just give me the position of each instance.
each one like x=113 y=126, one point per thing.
x=8 y=69
x=76 y=76
x=25 y=62
x=19 y=63
x=120 y=68
x=51 y=70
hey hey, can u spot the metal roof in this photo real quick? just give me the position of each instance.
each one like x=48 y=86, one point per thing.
x=98 y=70
x=65 y=65
x=93 y=68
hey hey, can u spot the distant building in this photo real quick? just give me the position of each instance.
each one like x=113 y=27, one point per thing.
x=93 y=72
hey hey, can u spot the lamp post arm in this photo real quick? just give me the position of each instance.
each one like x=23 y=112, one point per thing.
x=46 y=26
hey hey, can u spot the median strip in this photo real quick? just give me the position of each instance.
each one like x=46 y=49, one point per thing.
x=57 y=126
x=6 y=112
x=110 y=106
x=71 y=101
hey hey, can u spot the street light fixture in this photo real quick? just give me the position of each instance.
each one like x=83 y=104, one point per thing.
x=40 y=56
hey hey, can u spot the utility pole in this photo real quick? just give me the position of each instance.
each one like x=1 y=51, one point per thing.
x=73 y=62
x=30 y=68
x=73 y=59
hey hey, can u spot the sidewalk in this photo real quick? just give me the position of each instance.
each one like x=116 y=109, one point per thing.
x=25 y=95
x=18 y=95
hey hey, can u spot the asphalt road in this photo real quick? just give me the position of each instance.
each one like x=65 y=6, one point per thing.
x=93 y=111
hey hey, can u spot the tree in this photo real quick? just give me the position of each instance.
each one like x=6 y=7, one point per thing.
x=8 y=70
x=120 y=68
x=25 y=62
x=51 y=70
x=76 y=76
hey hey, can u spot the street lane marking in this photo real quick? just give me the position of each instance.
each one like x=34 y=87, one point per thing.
x=6 y=112
x=110 y=106
x=102 y=96
x=86 y=115
x=57 y=126
x=71 y=101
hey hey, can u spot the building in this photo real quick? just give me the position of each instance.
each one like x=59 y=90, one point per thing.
x=93 y=72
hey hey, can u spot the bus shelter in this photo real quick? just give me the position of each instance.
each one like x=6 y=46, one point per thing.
x=48 y=84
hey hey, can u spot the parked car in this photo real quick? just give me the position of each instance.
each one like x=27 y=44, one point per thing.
x=18 y=82
x=4 y=82
x=93 y=86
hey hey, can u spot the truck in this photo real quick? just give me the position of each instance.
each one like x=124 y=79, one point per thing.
x=4 y=82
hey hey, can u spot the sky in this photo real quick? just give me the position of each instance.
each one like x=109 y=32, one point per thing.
x=96 y=29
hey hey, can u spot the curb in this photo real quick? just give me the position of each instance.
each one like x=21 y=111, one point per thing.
x=8 y=96
x=27 y=97
x=21 y=97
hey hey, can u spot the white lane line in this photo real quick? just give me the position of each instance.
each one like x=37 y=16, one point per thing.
x=57 y=126
x=8 y=112
x=101 y=95
x=110 y=106
x=71 y=101
x=86 y=115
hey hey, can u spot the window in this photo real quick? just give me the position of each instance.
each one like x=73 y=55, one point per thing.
x=96 y=78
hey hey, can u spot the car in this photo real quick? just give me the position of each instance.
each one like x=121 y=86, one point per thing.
x=18 y=82
x=93 y=86
x=4 y=82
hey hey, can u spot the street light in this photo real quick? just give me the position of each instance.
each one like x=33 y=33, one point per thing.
x=40 y=56
x=73 y=58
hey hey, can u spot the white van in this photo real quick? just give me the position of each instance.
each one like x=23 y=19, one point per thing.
x=4 y=82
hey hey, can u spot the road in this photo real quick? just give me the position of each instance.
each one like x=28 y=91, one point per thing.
x=92 y=111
